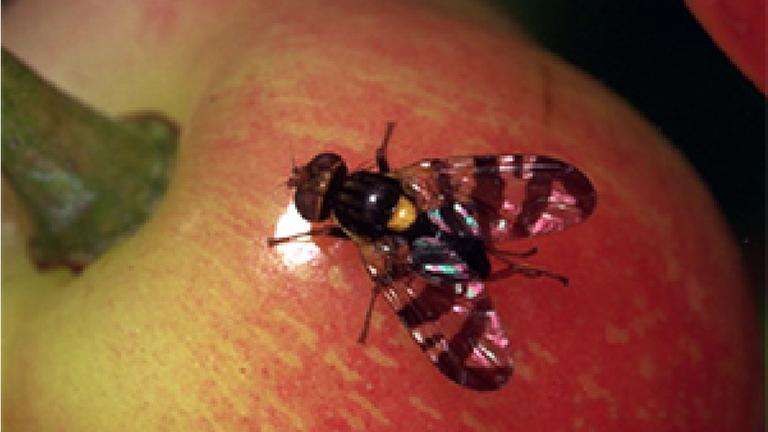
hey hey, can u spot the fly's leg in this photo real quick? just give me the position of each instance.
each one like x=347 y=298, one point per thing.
x=381 y=152
x=383 y=260
x=524 y=254
x=330 y=231
x=368 y=313
x=533 y=272
x=525 y=270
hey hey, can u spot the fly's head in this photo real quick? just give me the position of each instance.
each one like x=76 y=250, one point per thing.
x=315 y=183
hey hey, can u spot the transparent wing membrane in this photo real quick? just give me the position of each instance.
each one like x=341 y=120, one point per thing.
x=510 y=196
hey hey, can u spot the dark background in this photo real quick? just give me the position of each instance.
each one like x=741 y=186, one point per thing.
x=657 y=56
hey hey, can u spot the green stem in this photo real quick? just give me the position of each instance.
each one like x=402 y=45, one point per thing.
x=85 y=179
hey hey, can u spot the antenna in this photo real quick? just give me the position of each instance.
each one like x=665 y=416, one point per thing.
x=381 y=152
x=387 y=136
x=293 y=158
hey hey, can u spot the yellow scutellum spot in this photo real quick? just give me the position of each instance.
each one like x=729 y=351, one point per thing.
x=615 y=335
x=355 y=422
x=307 y=336
x=541 y=352
x=368 y=406
x=379 y=357
x=333 y=360
x=403 y=216
x=423 y=407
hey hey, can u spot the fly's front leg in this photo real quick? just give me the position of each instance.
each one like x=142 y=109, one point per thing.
x=381 y=152
x=329 y=231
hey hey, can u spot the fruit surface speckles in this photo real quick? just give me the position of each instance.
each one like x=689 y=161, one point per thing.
x=420 y=406
x=332 y=359
x=379 y=357
x=205 y=296
x=616 y=335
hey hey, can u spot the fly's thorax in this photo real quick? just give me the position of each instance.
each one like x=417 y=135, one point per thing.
x=371 y=205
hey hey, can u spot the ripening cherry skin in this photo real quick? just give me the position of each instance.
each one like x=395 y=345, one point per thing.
x=195 y=324
x=739 y=29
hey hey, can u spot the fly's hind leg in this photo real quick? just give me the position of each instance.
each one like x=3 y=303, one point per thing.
x=523 y=254
x=368 y=313
x=514 y=268
x=384 y=261
x=381 y=152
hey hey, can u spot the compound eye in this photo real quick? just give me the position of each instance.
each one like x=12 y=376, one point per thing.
x=324 y=162
x=309 y=204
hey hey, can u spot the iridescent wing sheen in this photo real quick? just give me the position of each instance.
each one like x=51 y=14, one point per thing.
x=445 y=308
x=509 y=196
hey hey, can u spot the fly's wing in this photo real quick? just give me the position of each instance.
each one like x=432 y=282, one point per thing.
x=448 y=313
x=507 y=196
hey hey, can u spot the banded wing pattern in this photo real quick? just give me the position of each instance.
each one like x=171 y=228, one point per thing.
x=512 y=196
x=449 y=315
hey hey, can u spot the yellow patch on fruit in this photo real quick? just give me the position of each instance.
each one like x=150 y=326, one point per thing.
x=424 y=408
x=354 y=422
x=593 y=390
x=268 y=342
x=473 y=422
x=272 y=400
x=541 y=352
x=379 y=357
x=403 y=216
x=347 y=137
x=647 y=367
x=305 y=333
x=368 y=407
x=348 y=374
x=524 y=371
x=616 y=335
x=337 y=280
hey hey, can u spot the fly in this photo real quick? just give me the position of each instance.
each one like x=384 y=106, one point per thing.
x=425 y=233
